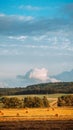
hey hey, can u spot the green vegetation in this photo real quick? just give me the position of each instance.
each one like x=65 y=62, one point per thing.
x=30 y=102
x=46 y=88
x=11 y=102
x=35 y=102
x=45 y=102
x=65 y=100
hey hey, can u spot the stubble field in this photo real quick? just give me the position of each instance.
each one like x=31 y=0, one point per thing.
x=36 y=113
x=36 y=119
x=51 y=118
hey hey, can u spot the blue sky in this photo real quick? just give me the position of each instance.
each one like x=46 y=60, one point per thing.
x=35 y=34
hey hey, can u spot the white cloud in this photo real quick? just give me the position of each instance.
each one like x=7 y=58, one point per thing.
x=20 y=17
x=29 y=7
x=36 y=8
x=53 y=80
x=28 y=18
x=16 y=17
x=22 y=38
x=39 y=38
x=41 y=74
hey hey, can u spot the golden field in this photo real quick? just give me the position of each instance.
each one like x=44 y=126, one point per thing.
x=36 y=113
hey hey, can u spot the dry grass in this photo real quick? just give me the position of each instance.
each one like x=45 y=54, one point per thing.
x=40 y=113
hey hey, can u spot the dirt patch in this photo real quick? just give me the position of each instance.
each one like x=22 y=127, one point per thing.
x=37 y=125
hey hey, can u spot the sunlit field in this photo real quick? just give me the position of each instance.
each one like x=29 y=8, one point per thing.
x=37 y=118
x=40 y=113
x=52 y=112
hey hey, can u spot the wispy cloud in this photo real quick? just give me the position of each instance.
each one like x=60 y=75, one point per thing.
x=10 y=52
x=37 y=8
x=28 y=25
x=41 y=74
x=21 y=38
x=45 y=33
x=18 y=17
x=30 y=7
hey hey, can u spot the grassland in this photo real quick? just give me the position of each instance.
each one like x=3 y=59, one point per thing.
x=39 y=95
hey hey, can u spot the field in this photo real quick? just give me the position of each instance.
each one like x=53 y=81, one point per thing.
x=39 y=95
x=51 y=118
x=36 y=113
x=40 y=113
x=36 y=119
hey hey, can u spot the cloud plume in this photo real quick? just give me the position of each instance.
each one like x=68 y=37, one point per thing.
x=41 y=74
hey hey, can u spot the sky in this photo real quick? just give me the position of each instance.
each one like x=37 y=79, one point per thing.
x=35 y=34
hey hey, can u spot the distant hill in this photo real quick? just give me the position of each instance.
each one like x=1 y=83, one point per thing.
x=66 y=76
x=44 y=88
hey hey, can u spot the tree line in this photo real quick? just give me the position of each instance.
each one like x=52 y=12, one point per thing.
x=45 y=88
x=65 y=100
x=35 y=102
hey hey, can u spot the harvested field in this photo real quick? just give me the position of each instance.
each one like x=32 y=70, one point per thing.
x=36 y=119
x=37 y=113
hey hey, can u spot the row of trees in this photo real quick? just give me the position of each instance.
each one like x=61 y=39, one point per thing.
x=65 y=100
x=30 y=102
x=35 y=102
x=45 y=88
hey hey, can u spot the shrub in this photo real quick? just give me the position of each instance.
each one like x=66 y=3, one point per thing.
x=12 y=102
x=65 y=100
x=28 y=102
x=35 y=102
x=45 y=102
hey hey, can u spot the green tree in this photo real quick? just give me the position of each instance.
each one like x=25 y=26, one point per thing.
x=45 y=102
x=38 y=102
x=35 y=102
x=65 y=100
x=12 y=102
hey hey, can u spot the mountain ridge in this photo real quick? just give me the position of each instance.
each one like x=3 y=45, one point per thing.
x=66 y=76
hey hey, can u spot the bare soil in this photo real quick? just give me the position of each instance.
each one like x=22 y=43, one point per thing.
x=37 y=125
